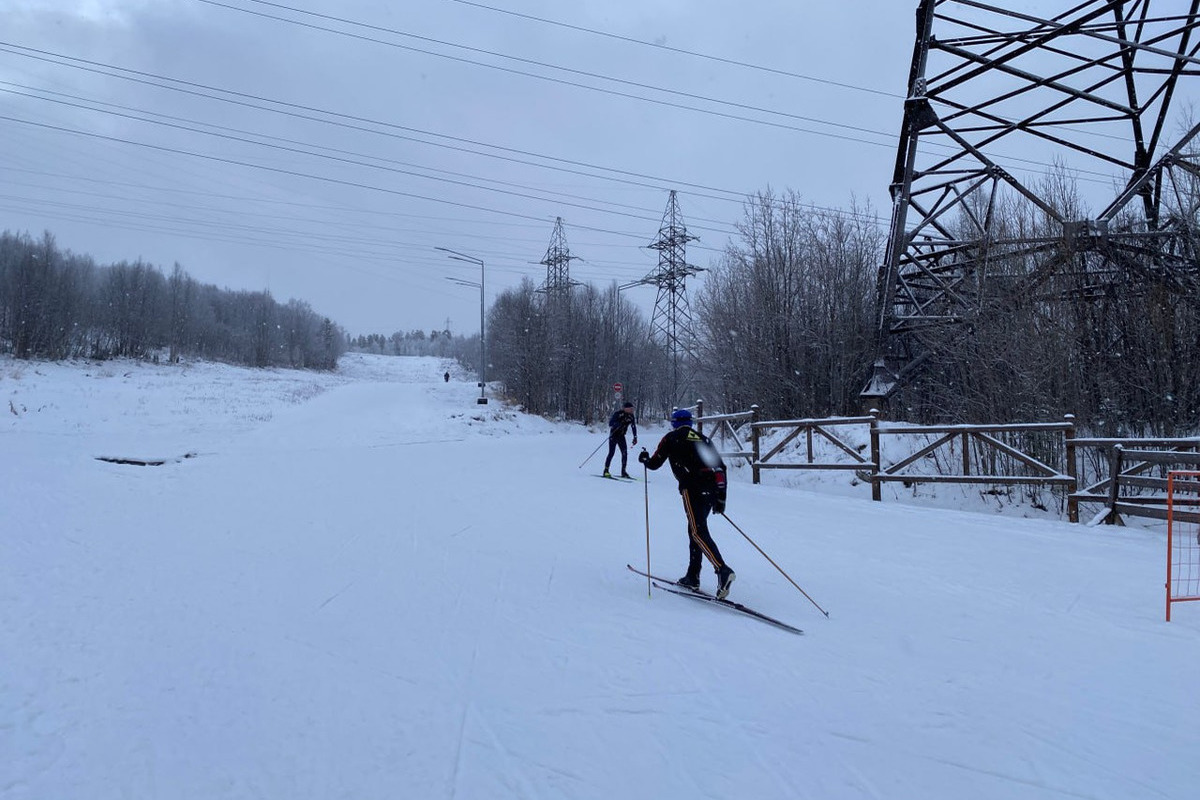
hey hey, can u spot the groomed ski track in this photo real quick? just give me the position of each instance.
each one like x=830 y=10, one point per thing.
x=366 y=585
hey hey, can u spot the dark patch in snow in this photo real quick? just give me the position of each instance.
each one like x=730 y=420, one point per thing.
x=144 y=462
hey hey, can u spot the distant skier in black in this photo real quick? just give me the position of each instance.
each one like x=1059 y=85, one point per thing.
x=701 y=474
x=446 y=377
x=621 y=419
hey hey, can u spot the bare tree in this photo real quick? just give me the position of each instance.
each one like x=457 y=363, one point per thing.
x=785 y=316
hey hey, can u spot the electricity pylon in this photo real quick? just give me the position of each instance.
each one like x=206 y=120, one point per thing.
x=997 y=95
x=558 y=264
x=671 y=323
x=557 y=291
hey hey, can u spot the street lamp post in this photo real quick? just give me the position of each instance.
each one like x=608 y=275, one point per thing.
x=457 y=256
x=616 y=332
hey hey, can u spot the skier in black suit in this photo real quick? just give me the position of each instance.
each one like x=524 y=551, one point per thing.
x=701 y=474
x=621 y=419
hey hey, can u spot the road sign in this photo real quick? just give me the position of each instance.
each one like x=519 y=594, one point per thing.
x=617 y=387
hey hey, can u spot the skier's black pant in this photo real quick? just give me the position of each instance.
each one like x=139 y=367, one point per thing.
x=698 y=505
x=613 y=444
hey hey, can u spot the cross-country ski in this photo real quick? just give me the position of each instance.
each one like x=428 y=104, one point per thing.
x=699 y=594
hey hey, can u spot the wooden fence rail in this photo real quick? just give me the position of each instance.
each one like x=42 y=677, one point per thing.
x=1136 y=480
x=1018 y=454
x=727 y=435
x=811 y=428
x=996 y=461
x=985 y=457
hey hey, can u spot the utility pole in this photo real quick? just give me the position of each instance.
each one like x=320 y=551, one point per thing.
x=457 y=256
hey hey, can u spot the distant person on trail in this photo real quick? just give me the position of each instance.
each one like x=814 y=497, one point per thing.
x=620 y=420
x=701 y=474
x=446 y=377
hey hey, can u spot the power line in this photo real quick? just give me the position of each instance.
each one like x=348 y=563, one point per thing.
x=706 y=56
x=161 y=224
x=519 y=59
x=278 y=170
x=562 y=81
x=254 y=101
x=269 y=200
x=188 y=87
x=292 y=235
x=375 y=166
x=304 y=175
x=186 y=124
x=98 y=67
x=337 y=155
x=719 y=59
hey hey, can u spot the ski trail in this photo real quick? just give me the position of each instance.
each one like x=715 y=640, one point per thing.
x=335 y=595
x=455 y=776
x=514 y=768
x=788 y=788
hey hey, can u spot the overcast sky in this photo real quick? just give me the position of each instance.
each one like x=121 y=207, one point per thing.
x=322 y=150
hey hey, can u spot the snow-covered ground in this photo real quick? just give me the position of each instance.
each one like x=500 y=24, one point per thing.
x=364 y=585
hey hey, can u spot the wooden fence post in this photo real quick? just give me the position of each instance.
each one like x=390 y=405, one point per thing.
x=876 y=494
x=1072 y=469
x=1114 y=487
x=754 y=444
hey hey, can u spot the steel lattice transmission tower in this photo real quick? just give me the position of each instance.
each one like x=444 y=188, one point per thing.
x=557 y=291
x=995 y=96
x=558 y=265
x=671 y=323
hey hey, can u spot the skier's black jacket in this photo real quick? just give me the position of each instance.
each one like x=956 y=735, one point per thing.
x=619 y=422
x=694 y=460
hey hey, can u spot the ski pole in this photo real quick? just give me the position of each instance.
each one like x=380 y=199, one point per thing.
x=646 y=492
x=773 y=564
x=597 y=450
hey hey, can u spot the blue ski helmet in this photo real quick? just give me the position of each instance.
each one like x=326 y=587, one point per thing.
x=681 y=417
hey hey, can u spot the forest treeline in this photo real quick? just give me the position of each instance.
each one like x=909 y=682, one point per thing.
x=55 y=304
x=786 y=318
x=439 y=344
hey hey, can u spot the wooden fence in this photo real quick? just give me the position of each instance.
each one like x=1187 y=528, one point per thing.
x=813 y=430
x=730 y=437
x=1125 y=476
x=1131 y=476
x=1001 y=454
x=1032 y=454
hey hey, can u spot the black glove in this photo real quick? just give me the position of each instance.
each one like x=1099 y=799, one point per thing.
x=643 y=456
x=635 y=440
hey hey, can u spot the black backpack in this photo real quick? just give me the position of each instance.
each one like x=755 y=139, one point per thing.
x=712 y=480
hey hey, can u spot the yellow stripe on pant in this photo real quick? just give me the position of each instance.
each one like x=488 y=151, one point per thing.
x=694 y=532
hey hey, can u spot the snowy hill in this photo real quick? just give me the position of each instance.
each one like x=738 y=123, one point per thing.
x=364 y=585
